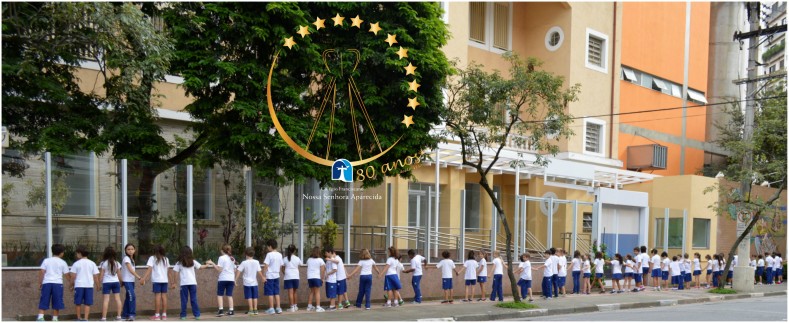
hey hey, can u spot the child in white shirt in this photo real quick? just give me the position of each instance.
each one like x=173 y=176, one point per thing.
x=316 y=270
x=599 y=263
x=250 y=268
x=84 y=276
x=587 y=270
x=290 y=266
x=524 y=270
x=185 y=268
x=418 y=264
x=158 y=266
x=272 y=266
x=482 y=274
x=110 y=283
x=498 y=276
x=447 y=266
x=470 y=267
x=365 y=269
x=226 y=266
x=53 y=269
x=392 y=281
x=616 y=271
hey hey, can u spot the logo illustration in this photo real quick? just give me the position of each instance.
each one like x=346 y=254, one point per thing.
x=342 y=170
x=342 y=99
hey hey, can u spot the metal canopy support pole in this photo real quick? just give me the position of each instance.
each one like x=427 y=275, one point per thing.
x=462 y=223
x=665 y=230
x=300 y=200
x=389 y=206
x=494 y=231
x=438 y=192
x=189 y=206
x=348 y=222
x=516 y=213
x=248 y=223
x=575 y=226
x=429 y=222
x=684 y=229
x=124 y=202
x=550 y=223
x=523 y=216
x=48 y=193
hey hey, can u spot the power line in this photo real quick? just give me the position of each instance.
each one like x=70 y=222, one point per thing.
x=662 y=109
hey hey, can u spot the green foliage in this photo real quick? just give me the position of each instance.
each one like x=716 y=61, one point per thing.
x=170 y=232
x=328 y=233
x=774 y=50
x=721 y=290
x=8 y=190
x=516 y=305
x=230 y=92
x=60 y=192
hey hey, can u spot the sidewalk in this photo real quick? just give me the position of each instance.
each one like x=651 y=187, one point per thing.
x=485 y=311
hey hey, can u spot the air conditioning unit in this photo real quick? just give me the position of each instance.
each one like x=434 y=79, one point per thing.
x=646 y=157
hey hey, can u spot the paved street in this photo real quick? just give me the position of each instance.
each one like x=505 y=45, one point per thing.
x=754 y=309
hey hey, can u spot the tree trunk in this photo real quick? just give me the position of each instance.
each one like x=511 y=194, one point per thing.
x=145 y=210
x=508 y=234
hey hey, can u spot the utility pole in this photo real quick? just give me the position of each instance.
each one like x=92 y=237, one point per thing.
x=743 y=274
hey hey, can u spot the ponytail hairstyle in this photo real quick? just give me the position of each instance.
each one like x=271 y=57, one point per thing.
x=109 y=257
x=629 y=257
x=186 y=258
x=228 y=250
x=697 y=255
x=131 y=257
x=290 y=251
x=393 y=252
x=618 y=257
x=577 y=254
x=158 y=252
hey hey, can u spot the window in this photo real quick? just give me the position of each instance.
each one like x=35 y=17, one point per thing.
x=339 y=206
x=674 y=233
x=696 y=96
x=596 y=51
x=202 y=193
x=676 y=90
x=490 y=25
x=472 y=205
x=587 y=222
x=266 y=193
x=79 y=177
x=554 y=38
x=781 y=65
x=629 y=75
x=658 y=84
x=701 y=233
x=594 y=136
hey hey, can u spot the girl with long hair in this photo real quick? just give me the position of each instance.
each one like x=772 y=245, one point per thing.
x=226 y=266
x=128 y=275
x=158 y=266
x=110 y=284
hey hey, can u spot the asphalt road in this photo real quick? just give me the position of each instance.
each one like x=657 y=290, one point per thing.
x=751 y=309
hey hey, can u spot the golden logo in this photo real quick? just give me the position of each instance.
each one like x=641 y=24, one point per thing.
x=355 y=101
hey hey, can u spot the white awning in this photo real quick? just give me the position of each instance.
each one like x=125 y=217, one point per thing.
x=696 y=96
x=629 y=74
x=660 y=84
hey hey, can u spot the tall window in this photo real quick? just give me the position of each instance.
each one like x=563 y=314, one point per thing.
x=596 y=50
x=701 y=233
x=79 y=178
x=594 y=136
x=266 y=193
x=674 y=233
x=490 y=25
x=587 y=222
x=472 y=205
x=202 y=193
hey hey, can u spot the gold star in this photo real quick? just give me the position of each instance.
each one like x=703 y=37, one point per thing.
x=319 y=23
x=413 y=86
x=403 y=52
x=303 y=31
x=391 y=39
x=413 y=103
x=289 y=43
x=407 y=120
x=357 y=22
x=338 y=20
x=374 y=28
x=410 y=69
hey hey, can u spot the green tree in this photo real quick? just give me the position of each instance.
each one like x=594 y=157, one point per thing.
x=767 y=150
x=486 y=111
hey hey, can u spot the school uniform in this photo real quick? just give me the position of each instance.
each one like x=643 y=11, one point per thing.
x=471 y=266
x=226 y=281
x=110 y=284
x=159 y=279
x=342 y=276
x=416 y=279
x=665 y=268
x=599 y=267
x=249 y=270
x=524 y=282
x=675 y=268
x=365 y=282
x=498 y=275
x=273 y=261
x=629 y=272
x=576 y=270
x=392 y=281
x=769 y=269
x=587 y=269
x=656 y=268
x=562 y=277
x=778 y=269
x=715 y=272
x=314 y=278
x=616 y=270
x=446 y=266
x=83 y=284
x=555 y=276
x=547 y=276
x=760 y=268
x=688 y=272
x=331 y=280
x=188 y=287
x=291 y=278
x=128 y=278
x=52 y=285
x=696 y=267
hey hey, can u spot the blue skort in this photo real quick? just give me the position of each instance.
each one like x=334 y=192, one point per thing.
x=587 y=275
x=598 y=275
x=392 y=282
x=291 y=284
x=314 y=282
x=665 y=275
x=656 y=273
x=617 y=276
x=111 y=288
x=159 y=288
x=470 y=282
x=83 y=296
x=696 y=272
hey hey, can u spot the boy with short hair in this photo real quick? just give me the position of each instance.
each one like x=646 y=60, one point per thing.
x=84 y=276
x=251 y=269
x=447 y=266
x=342 y=281
x=272 y=265
x=51 y=283
x=331 y=278
x=417 y=264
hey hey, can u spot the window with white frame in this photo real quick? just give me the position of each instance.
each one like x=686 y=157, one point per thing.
x=554 y=38
x=79 y=176
x=472 y=205
x=596 y=50
x=490 y=25
x=594 y=136
x=629 y=75
x=701 y=233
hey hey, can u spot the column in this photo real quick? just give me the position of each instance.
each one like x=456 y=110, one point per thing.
x=124 y=203
x=249 y=201
x=48 y=193
x=189 y=206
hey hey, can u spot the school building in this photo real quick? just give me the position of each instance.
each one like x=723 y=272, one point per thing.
x=622 y=180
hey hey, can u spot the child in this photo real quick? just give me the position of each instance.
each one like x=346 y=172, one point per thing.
x=365 y=268
x=599 y=262
x=470 y=267
x=644 y=268
x=676 y=273
x=576 y=268
x=392 y=282
x=272 y=266
x=636 y=259
x=128 y=274
x=562 y=275
x=158 y=265
x=185 y=269
x=498 y=275
x=417 y=263
x=110 y=284
x=616 y=271
x=730 y=275
x=778 y=271
x=51 y=283
x=760 y=269
x=688 y=270
x=342 y=285
x=290 y=265
x=547 y=275
x=708 y=270
x=84 y=275
x=524 y=270
x=656 y=274
x=226 y=266
x=629 y=272
x=400 y=269
x=587 y=269
x=554 y=272
x=482 y=274
x=768 y=268
x=331 y=278
x=316 y=269
x=715 y=270
x=664 y=268
x=447 y=266
x=250 y=268
x=697 y=269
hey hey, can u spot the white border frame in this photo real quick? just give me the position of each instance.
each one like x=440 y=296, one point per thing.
x=548 y=38
x=488 y=45
x=604 y=54
x=602 y=136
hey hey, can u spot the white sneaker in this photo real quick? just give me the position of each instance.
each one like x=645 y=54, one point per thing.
x=388 y=305
x=310 y=308
x=319 y=309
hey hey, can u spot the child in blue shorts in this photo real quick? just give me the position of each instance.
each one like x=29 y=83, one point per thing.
x=226 y=266
x=51 y=283
x=158 y=266
x=84 y=276
x=331 y=278
x=447 y=266
x=316 y=269
x=110 y=284
x=272 y=266
x=250 y=268
x=524 y=270
x=392 y=281
x=470 y=267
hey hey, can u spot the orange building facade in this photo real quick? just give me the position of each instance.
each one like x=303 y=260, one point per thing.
x=656 y=55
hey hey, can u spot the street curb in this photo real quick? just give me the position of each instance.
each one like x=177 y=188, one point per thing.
x=608 y=307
